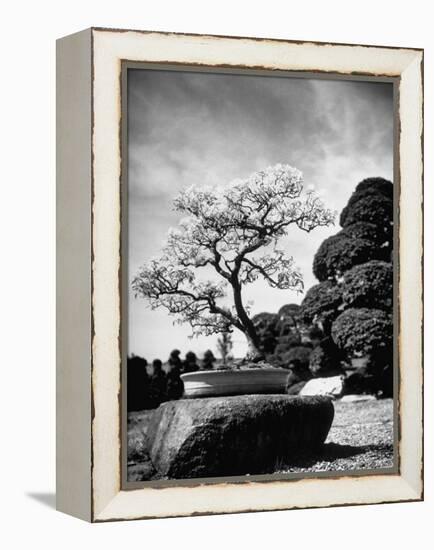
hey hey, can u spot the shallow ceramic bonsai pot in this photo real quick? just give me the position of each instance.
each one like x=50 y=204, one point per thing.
x=210 y=383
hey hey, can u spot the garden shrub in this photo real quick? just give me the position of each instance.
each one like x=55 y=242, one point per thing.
x=362 y=331
x=377 y=185
x=365 y=231
x=369 y=285
x=376 y=209
x=325 y=359
x=266 y=328
x=321 y=304
x=338 y=254
x=298 y=353
x=287 y=342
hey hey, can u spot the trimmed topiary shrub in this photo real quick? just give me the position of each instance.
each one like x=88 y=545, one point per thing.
x=365 y=231
x=376 y=209
x=288 y=321
x=369 y=285
x=338 y=254
x=362 y=331
x=301 y=354
x=321 y=304
x=377 y=185
x=287 y=342
x=325 y=359
x=289 y=311
x=266 y=328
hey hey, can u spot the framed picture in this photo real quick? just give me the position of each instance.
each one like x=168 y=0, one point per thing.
x=239 y=274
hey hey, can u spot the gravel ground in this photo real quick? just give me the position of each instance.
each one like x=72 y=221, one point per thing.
x=361 y=437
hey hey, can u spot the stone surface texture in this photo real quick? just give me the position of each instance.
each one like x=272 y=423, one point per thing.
x=235 y=435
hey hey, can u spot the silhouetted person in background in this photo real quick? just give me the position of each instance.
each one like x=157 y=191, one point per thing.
x=137 y=383
x=190 y=362
x=158 y=385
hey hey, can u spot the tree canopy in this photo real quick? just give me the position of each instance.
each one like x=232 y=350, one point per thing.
x=223 y=229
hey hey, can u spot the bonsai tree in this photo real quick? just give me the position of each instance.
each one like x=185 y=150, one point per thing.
x=235 y=232
x=369 y=285
x=363 y=331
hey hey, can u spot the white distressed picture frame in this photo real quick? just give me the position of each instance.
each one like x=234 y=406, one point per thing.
x=89 y=262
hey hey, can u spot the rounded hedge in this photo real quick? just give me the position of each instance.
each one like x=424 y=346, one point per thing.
x=361 y=331
x=289 y=310
x=376 y=209
x=287 y=342
x=338 y=254
x=266 y=328
x=325 y=359
x=321 y=304
x=289 y=319
x=369 y=285
x=377 y=185
x=263 y=319
x=299 y=353
x=365 y=231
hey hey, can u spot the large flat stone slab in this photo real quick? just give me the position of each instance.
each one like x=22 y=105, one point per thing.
x=235 y=435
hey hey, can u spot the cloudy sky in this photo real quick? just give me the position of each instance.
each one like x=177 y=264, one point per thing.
x=196 y=128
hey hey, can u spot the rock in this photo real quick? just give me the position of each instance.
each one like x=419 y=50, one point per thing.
x=295 y=389
x=332 y=386
x=235 y=435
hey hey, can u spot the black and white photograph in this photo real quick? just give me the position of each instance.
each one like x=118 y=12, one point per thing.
x=258 y=275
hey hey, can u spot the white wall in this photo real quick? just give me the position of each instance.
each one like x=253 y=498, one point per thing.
x=29 y=30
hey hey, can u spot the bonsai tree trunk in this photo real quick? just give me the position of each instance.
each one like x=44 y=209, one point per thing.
x=254 y=355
